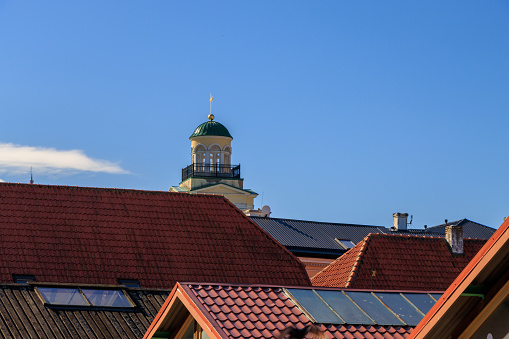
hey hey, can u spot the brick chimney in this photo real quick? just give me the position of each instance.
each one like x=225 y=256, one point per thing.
x=454 y=237
x=400 y=221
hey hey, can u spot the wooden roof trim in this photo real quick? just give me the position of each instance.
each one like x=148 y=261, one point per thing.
x=199 y=314
x=161 y=315
x=485 y=313
x=195 y=307
x=485 y=254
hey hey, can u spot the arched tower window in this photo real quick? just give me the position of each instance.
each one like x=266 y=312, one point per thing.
x=198 y=156
x=215 y=157
x=227 y=152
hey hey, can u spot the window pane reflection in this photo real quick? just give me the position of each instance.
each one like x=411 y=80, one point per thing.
x=111 y=298
x=63 y=296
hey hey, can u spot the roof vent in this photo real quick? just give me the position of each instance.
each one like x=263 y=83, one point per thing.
x=454 y=237
x=400 y=221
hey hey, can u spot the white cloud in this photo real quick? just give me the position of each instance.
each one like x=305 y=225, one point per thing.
x=17 y=158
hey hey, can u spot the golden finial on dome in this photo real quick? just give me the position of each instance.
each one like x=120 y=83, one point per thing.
x=211 y=116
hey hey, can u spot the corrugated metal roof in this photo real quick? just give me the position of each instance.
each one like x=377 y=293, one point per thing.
x=24 y=315
x=314 y=235
x=471 y=229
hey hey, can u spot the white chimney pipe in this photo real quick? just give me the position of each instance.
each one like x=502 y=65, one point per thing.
x=454 y=237
x=400 y=221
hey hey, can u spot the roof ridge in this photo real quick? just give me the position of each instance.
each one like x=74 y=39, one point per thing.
x=475 y=222
x=358 y=260
x=105 y=189
x=319 y=222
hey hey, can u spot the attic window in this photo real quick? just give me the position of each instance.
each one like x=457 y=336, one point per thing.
x=345 y=243
x=23 y=279
x=129 y=282
x=58 y=296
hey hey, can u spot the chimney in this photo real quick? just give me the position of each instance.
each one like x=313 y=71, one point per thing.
x=454 y=237
x=400 y=221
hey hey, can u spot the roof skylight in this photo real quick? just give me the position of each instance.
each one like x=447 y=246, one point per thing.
x=58 y=296
x=363 y=308
x=345 y=243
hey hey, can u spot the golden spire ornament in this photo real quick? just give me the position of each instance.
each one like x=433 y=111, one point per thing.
x=211 y=116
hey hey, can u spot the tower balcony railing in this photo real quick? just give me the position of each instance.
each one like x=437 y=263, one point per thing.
x=211 y=170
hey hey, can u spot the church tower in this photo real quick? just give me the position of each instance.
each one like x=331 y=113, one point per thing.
x=211 y=171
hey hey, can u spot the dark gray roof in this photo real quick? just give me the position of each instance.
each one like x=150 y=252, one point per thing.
x=313 y=236
x=317 y=238
x=24 y=315
x=471 y=229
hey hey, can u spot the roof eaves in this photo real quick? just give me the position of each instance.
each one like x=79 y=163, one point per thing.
x=223 y=184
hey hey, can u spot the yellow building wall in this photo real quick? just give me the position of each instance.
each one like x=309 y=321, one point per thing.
x=243 y=200
x=210 y=140
x=193 y=183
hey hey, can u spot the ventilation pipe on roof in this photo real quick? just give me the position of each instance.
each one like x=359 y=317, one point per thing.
x=454 y=237
x=400 y=221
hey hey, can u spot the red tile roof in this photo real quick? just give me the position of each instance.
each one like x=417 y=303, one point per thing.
x=240 y=311
x=90 y=235
x=397 y=262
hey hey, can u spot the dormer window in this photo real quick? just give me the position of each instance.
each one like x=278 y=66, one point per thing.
x=345 y=243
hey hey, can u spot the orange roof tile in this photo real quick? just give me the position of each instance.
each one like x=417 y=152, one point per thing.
x=243 y=311
x=384 y=261
x=91 y=235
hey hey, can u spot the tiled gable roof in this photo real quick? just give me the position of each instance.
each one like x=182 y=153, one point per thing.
x=242 y=311
x=95 y=236
x=398 y=262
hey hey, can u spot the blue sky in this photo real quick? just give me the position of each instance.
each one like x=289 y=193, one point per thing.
x=340 y=111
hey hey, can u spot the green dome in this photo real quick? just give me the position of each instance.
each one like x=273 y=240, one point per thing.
x=211 y=128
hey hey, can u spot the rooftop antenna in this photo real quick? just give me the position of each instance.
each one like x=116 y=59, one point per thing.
x=31 y=176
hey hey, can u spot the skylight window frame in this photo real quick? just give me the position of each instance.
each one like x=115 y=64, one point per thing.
x=129 y=283
x=340 y=243
x=375 y=310
x=89 y=305
x=24 y=279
